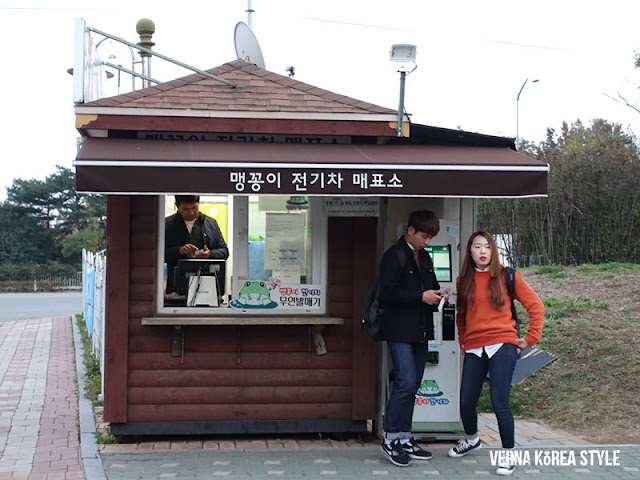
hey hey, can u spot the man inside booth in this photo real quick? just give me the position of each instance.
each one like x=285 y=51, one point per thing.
x=190 y=234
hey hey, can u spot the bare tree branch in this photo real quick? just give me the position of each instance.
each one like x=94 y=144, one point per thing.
x=624 y=101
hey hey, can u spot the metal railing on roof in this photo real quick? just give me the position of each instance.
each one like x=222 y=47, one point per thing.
x=163 y=57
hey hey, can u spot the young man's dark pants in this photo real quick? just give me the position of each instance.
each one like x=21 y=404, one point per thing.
x=409 y=360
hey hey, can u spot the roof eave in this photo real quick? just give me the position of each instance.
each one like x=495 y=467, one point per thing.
x=168 y=112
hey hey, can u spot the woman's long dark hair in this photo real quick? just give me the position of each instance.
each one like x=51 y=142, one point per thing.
x=467 y=286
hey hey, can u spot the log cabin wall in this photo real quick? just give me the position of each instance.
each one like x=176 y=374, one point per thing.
x=236 y=379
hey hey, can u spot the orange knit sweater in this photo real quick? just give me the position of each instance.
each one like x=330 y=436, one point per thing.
x=485 y=325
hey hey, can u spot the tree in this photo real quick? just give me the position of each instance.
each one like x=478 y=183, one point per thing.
x=592 y=213
x=23 y=238
x=58 y=211
x=90 y=238
x=56 y=198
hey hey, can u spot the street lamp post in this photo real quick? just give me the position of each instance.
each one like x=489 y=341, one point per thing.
x=518 y=107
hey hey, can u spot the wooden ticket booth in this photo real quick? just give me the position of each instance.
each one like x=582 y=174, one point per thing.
x=308 y=187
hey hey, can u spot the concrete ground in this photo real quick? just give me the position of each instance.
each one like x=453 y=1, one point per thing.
x=47 y=433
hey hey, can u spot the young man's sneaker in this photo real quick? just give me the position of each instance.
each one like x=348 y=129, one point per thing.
x=463 y=447
x=395 y=453
x=414 y=451
x=506 y=463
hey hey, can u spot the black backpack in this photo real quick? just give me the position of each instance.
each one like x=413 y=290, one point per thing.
x=511 y=288
x=372 y=310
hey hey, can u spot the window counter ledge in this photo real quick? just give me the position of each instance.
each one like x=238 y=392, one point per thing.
x=243 y=320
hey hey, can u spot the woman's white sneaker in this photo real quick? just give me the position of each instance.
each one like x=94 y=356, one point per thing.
x=506 y=463
x=463 y=447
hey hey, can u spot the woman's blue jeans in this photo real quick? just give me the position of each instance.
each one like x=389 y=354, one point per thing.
x=409 y=360
x=474 y=371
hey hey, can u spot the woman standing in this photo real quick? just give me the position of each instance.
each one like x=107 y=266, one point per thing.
x=487 y=334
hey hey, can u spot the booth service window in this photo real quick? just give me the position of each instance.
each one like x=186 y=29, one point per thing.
x=275 y=264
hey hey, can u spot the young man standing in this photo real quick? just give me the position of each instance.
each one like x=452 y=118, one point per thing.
x=409 y=293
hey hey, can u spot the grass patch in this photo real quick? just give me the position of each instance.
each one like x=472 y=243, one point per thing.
x=570 y=306
x=557 y=275
x=607 y=267
x=93 y=378
x=93 y=384
x=104 y=438
x=595 y=369
x=548 y=269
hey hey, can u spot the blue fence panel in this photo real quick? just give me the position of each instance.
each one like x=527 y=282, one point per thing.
x=89 y=298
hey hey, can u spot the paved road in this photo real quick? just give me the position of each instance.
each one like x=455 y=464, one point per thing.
x=366 y=463
x=23 y=306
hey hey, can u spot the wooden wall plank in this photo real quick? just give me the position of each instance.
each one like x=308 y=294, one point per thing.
x=234 y=360
x=142 y=292
x=139 y=310
x=245 y=394
x=343 y=293
x=117 y=308
x=151 y=343
x=237 y=411
x=159 y=340
x=144 y=258
x=365 y=358
x=239 y=377
x=341 y=309
x=143 y=275
x=344 y=234
x=144 y=206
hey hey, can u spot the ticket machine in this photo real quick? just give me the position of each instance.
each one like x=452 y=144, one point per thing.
x=437 y=407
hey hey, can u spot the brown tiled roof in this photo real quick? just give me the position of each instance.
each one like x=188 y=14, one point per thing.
x=259 y=91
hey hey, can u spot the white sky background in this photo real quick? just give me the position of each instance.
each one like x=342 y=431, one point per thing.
x=472 y=60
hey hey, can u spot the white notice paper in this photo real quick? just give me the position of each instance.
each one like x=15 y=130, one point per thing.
x=288 y=275
x=284 y=240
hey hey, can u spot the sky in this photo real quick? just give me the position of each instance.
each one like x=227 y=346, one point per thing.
x=472 y=59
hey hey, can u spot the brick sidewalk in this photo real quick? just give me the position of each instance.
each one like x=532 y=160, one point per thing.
x=39 y=437
x=527 y=434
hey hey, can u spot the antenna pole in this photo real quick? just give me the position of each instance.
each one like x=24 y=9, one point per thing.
x=250 y=12
x=403 y=76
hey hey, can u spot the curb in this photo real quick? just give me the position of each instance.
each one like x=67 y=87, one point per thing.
x=89 y=454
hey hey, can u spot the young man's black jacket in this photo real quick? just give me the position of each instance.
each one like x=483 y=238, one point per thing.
x=405 y=317
x=205 y=231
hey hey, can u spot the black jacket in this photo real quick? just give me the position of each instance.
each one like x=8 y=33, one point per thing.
x=176 y=235
x=405 y=317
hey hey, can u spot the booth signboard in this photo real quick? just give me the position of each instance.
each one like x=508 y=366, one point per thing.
x=352 y=207
x=271 y=294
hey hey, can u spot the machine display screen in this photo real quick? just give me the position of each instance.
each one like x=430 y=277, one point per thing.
x=441 y=258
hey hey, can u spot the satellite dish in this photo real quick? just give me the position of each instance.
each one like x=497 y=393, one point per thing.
x=247 y=46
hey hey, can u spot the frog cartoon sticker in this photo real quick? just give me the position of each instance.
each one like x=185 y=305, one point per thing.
x=429 y=388
x=254 y=295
